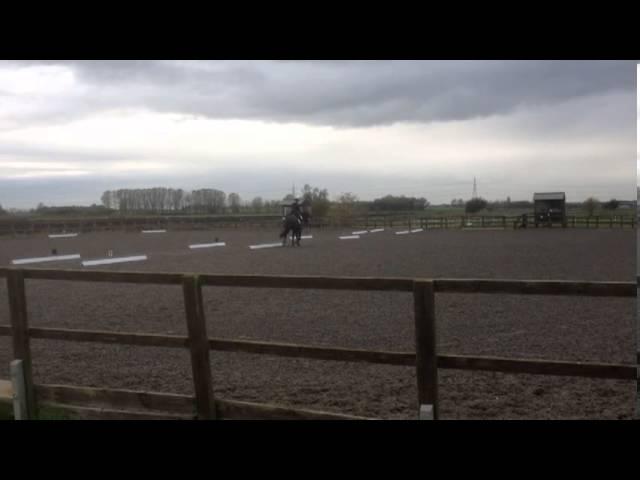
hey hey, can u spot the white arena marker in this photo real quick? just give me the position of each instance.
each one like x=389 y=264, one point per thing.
x=207 y=245
x=53 y=258
x=105 y=261
x=359 y=232
x=375 y=230
x=265 y=245
x=306 y=236
x=416 y=230
x=348 y=237
x=63 y=235
x=403 y=232
x=154 y=231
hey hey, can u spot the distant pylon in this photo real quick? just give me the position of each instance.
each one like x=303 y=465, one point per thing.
x=475 y=189
x=293 y=190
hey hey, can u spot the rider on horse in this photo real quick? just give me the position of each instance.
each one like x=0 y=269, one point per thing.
x=293 y=222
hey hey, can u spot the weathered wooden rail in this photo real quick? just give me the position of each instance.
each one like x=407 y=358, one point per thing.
x=112 y=403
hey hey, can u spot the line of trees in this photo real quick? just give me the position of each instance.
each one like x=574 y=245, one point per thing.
x=592 y=204
x=401 y=203
x=213 y=201
x=475 y=205
x=161 y=199
x=205 y=201
x=71 y=210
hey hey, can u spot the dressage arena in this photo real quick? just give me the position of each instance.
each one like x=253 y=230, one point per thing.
x=568 y=328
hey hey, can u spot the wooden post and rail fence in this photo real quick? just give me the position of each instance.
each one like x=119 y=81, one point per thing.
x=84 y=402
x=132 y=223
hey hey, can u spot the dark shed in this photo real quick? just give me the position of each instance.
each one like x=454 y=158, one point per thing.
x=549 y=208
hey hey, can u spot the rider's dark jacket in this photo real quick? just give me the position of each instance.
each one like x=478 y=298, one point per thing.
x=295 y=210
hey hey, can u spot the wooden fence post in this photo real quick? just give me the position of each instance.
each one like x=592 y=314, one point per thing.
x=199 y=348
x=425 y=337
x=426 y=412
x=20 y=409
x=20 y=337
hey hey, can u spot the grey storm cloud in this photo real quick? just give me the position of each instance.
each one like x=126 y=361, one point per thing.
x=570 y=122
x=20 y=150
x=338 y=93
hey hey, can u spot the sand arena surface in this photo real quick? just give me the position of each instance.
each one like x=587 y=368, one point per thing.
x=544 y=327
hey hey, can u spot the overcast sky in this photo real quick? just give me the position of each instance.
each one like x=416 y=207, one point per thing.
x=72 y=129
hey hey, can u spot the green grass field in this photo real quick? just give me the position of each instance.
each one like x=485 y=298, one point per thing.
x=6 y=412
x=45 y=413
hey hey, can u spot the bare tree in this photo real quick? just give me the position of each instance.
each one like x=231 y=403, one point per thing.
x=345 y=208
x=234 y=202
x=318 y=198
x=106 y=199
x=257 y=204
x=590 y=205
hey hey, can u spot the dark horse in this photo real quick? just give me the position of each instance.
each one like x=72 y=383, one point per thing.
x=291 y=223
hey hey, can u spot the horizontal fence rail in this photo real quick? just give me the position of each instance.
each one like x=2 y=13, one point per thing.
x=537 y=287
x=124 y=403
x=426 y=360
x=455 y=362
x=490 y=286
